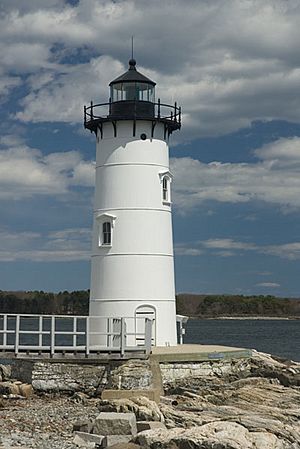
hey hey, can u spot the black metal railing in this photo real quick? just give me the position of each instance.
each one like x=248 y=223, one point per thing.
x=104 y=112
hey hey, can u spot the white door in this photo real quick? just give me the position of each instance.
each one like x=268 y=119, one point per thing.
x=142 y=312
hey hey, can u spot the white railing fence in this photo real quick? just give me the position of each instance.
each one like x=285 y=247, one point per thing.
x=78 y=334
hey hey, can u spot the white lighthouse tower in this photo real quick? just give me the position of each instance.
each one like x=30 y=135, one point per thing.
x=132 y=271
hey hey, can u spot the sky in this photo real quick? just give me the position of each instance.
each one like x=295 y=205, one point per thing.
x=233 y=66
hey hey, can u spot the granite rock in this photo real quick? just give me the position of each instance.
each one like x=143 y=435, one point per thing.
x=221 y=435
x=149 y=425
x=84 y=439
x=115 y=424
x=143 y=408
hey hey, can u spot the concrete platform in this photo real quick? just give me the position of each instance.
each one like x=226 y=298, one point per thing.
x=197 y=353
x=160 y=354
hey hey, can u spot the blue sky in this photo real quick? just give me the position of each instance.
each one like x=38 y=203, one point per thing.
x=234 y=68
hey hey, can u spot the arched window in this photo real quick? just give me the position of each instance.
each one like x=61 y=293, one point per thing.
x=165 y=181
x=106 y=233
x=165 y=188
x=105 y=229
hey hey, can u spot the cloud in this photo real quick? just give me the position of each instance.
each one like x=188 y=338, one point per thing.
x=274 y=178
x=230 y=59
x=25 y=171
x=7 y=83
x=59 y=246
x=268 y=284
x=228 y=244
x=182 y=250
x=25 y=57
x=228 y=247
x=284 y=152
x=61 y=98
x=289 y=251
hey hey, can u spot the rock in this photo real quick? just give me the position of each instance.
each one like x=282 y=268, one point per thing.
x=132 y=375
x=125 y=446
x=5 y=372
x=8 y=388
x=143 y=408
x=68 y=378
x=258 y=404
x=26 y=390
x=113 y=440
x=83 y=425
x=80 y=398
x=16 y=388
x=115 y=424
x=13 y=396
x=265 y=440
x=221 y=435
x=149 y=425
x=83 y=439
x=264 y=365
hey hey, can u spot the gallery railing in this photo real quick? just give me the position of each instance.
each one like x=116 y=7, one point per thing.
x=60 y=334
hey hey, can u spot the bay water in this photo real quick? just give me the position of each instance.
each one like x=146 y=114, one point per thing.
x=273 y=336
x=279 y=337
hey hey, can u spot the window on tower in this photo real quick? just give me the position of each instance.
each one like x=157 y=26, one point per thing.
x=132 y=91
x=106 y=233
x=165 y=188
x=105 y=226
x=166 y=179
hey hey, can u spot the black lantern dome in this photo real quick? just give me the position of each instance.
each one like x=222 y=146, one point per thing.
x=132 y=93
x=132 y=97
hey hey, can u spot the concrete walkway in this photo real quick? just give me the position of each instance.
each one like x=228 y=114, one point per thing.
x=195 y=353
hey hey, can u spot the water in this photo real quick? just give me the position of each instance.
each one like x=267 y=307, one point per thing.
x=277 y=337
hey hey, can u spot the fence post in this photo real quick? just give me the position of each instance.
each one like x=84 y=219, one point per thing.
x=74 y=332
x=40 y=331
x=52 y=336
x=123 y=337
x=148 y=335
x=17 y=334
x=4 y=330
x=87 y=336
x=110 y=330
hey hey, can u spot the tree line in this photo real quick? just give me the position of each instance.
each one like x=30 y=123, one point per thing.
x=201 y=306
x=213 y=306
x=43 y=303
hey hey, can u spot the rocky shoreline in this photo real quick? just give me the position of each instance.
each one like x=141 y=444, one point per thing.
x=251 y=403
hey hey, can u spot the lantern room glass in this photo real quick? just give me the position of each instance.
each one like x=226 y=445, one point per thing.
x=132 y=91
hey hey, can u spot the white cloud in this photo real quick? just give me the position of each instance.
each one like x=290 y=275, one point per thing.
x=268 y=284
x=274 y=179
x=228 y=244
x=227 y=247
x=60 y=246
x=281 y=153
x=62 y=99
x=183 y=250
x=231 y=58
x=25 y=57
x=286 y=251
x=7 y=83
x=25 y=171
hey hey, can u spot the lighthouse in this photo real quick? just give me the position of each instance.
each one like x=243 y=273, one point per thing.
x=132 y=267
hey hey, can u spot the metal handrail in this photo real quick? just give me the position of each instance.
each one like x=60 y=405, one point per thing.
x=173 y=116
x=116 y=338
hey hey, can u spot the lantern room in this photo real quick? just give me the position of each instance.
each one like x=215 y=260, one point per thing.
x=132 y=94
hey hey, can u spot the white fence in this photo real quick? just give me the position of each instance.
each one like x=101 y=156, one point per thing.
x=55 y=334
